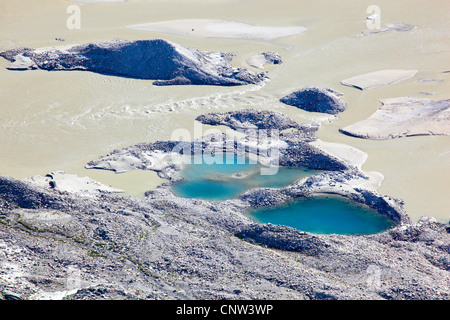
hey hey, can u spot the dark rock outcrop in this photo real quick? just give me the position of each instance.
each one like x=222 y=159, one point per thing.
x=260 y=59
x=272 y=57
x=316 y=99
x=250 y=119
x=282 y=237
x=19 y=193
x=166 y=62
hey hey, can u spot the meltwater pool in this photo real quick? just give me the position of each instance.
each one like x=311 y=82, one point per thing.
x=231 y=177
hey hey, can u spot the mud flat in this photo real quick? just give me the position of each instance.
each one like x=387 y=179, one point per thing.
x=404 y=117
x=97 y=1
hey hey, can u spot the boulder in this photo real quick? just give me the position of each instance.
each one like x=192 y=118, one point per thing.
x=22 y=63
x=260 y=59
x=316 y=99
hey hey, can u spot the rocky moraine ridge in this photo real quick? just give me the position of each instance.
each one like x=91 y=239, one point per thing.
x=103 y=245
x=163 y=61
